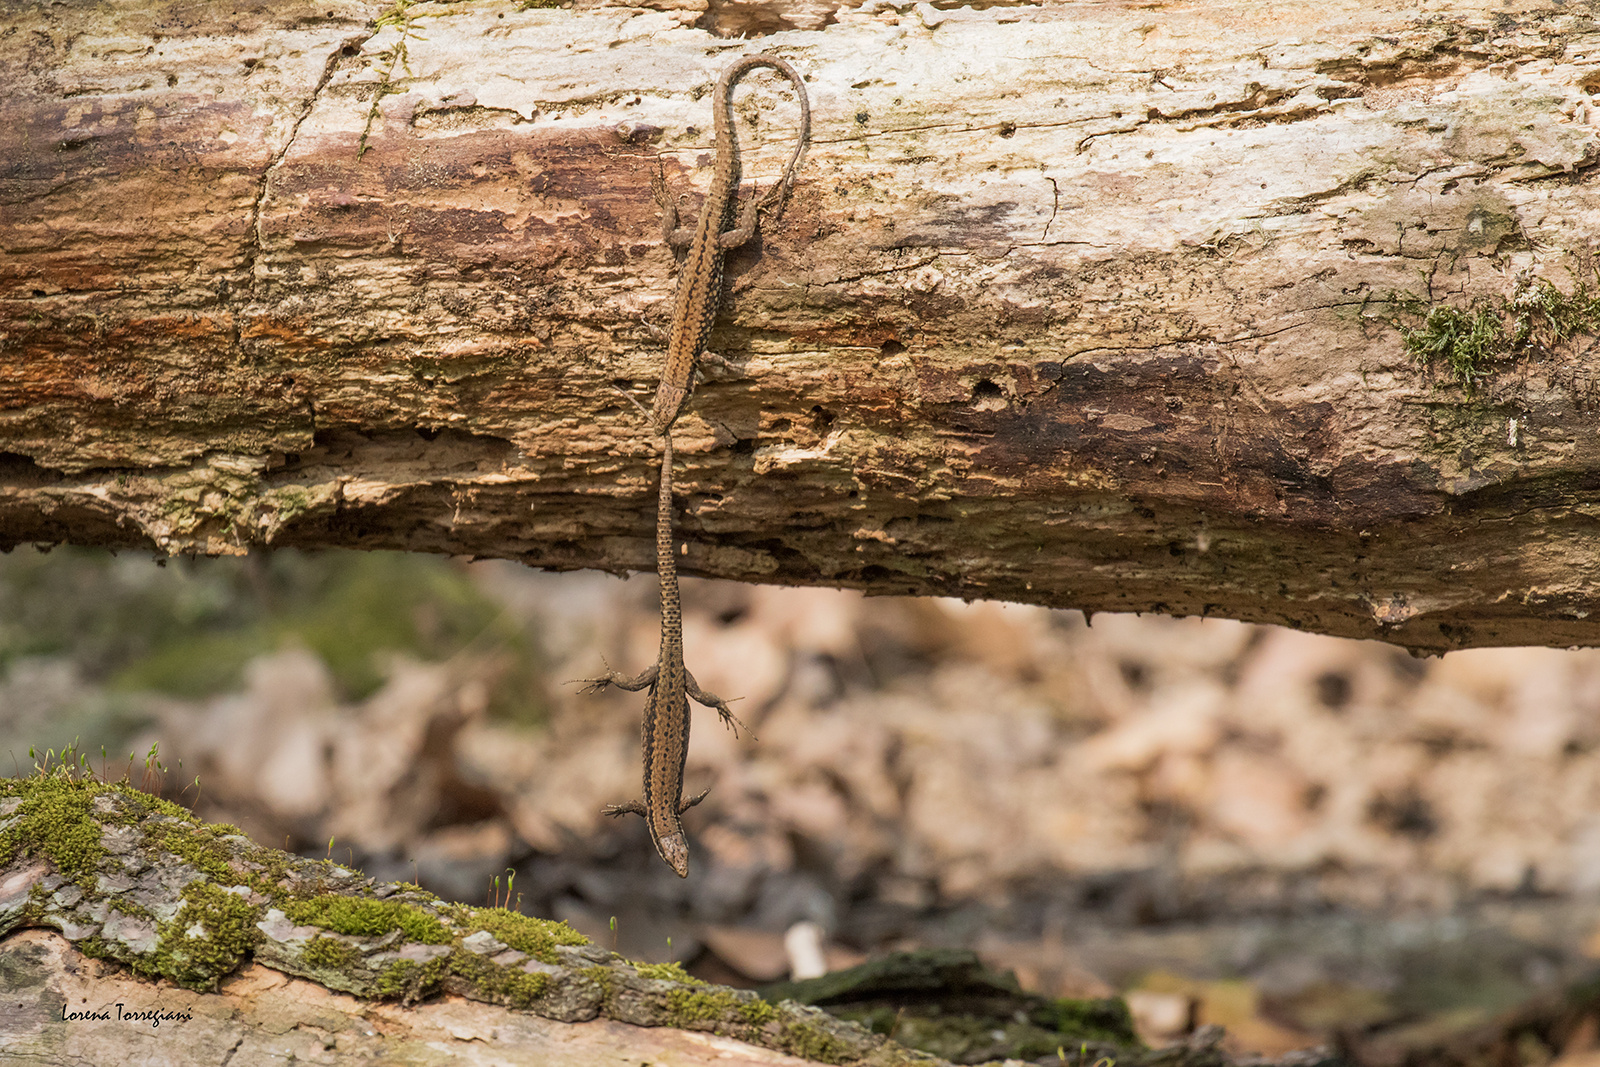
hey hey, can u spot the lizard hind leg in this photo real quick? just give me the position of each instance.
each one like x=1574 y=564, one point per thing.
x=749 y=222
x=711 y=700
x=676 y=237
x=644 y=679
x=711 y=359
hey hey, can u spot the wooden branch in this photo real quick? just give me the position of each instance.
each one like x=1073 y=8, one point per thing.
x=1076 y=306
x=132 y=879
x=237 y=952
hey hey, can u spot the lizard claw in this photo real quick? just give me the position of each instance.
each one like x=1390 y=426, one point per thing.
x=592 y=685
x=658 y=185
x=711 y=359
x=730 y=720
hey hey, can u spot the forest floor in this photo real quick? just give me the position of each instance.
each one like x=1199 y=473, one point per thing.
x=1304 y=839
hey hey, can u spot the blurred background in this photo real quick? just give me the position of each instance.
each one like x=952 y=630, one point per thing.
x=1308 y=840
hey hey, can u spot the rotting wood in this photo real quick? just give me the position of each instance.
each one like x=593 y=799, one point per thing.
x=1080 y=306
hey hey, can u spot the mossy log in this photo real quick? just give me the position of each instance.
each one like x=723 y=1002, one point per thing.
x=158 y=920
x=1084 y=306
x=138 y=881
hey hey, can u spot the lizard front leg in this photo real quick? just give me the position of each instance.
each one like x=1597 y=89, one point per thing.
x=632 y=807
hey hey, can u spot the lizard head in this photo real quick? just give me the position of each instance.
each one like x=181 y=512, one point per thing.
x=675 y=850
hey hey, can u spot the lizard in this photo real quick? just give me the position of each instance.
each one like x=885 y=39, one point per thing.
x=699 y=294
x=666 y=709
x=700 y=280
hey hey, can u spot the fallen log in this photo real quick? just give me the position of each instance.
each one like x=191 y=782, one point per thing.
x=1273 y=314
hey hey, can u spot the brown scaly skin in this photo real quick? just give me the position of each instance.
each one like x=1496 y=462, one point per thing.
x=666 y=730
x=666 y=711
x=700 y=280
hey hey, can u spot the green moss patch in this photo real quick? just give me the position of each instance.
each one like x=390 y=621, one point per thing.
x=602 y=977
x=209 y=937
x=63 y=816
x=1470 y=341
x=504 y=985
x=328 y=954
x=810 y=1041
x=670 y=972
x=690 y=1006
x=55 y=821
x=410 y=981
x=537 y=937
x=202 y=851
x=368 y=918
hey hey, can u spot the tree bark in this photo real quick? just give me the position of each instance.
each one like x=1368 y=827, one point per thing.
x=171 y=929
x=204 y=911
x=1076 y=305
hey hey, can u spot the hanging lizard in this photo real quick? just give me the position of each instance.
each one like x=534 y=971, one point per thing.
x=666 y=711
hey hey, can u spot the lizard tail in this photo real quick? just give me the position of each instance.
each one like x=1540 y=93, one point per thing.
x=778 y=195
x=666 y=561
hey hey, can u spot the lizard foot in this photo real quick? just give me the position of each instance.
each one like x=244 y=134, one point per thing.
x=621 y=681
x=715 y=362
x=729 y=719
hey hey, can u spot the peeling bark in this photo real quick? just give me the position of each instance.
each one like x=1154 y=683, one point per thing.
x=1075 y=306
